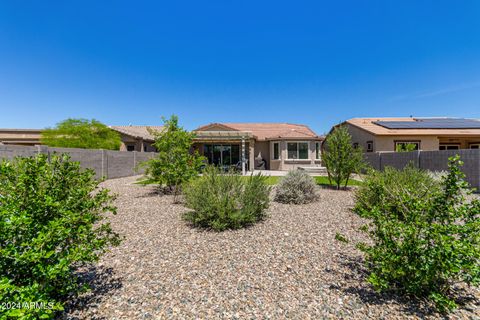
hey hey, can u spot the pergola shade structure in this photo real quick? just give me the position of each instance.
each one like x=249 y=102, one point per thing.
x=225 y=148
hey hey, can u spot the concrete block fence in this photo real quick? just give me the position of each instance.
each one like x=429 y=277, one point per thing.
x=430 y=160
x=105 y=163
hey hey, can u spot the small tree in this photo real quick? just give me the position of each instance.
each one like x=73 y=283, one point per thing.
x=340 y=157
x=81 y=133
x=175 y=163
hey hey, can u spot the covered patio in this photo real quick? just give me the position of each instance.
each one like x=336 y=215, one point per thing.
x=226 y=149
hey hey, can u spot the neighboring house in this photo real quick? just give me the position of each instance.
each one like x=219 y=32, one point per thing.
x=386 y=134
x=25 y=137
x=134 y=138
x=137 y=138
x=272 y=146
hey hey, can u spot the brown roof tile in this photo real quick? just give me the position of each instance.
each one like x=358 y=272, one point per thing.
x=137 y=131
x=268 y=131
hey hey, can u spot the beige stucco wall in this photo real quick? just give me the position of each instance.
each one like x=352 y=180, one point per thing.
x=262 y=148
x=285 y=164
x=20 y=137
x=361 y=137
x=387 y=143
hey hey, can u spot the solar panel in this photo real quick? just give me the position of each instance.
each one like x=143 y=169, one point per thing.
x=431 y=123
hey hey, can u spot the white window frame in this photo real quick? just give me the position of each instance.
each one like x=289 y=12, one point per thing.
x=279 y=150
x=474 y=144
x=298 y=150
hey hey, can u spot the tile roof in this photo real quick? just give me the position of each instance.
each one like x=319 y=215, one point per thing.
x=137 y=131
x=368 y=124
x=267 y=131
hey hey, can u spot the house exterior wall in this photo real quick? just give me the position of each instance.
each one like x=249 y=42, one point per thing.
x=262 y=151
x=387 y=143
x=139 y=145
x=361 y=137
x=463 y=143
x=26 y=137
x=285 y=164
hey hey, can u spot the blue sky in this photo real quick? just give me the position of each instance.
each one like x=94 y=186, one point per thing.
x=311 y=62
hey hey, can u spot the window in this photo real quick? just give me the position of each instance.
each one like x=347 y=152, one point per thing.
x=407 y=145
x=297 y=150
x=355 y=145
x=474 y=145
x=369 y=146
x=317 y=150
x=130 y=148
x=276 y=151
x=449 y=147
x=144 y=148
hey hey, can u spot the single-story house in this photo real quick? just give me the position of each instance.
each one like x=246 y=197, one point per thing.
x=386 y=134
x=137 y=138
x=268 y=146
x=23 y=137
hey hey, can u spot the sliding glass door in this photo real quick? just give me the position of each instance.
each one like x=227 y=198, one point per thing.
x=224 y=155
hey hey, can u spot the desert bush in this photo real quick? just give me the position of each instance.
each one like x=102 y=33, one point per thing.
x=422 y=245
x=226 y=201
x=296 y=187
x=51 y=222
x=390 y=187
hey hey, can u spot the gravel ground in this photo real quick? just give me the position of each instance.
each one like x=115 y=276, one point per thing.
x=289 y=266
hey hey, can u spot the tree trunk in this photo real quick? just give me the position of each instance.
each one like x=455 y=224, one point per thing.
x=346 y=182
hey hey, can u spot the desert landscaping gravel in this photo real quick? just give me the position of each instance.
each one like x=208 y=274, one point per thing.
x=288 y=266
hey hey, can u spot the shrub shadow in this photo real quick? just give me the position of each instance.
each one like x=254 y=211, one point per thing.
x=412 y=306
x=330 y=187
x=102 y=282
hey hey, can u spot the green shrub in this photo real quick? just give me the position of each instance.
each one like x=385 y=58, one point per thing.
x=392 y=187
x=51 y=221
x=422 y=245
x=226 y=201
x=296 y=187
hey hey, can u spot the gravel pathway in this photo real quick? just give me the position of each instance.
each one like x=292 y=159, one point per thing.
x=289 y=266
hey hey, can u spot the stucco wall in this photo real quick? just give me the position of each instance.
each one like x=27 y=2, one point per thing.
x=262 y=148
x=387 y=143
x=361 y=136
x=287 y=164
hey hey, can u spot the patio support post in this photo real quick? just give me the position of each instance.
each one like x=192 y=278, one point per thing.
x=243 y=155
x=251 y=146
